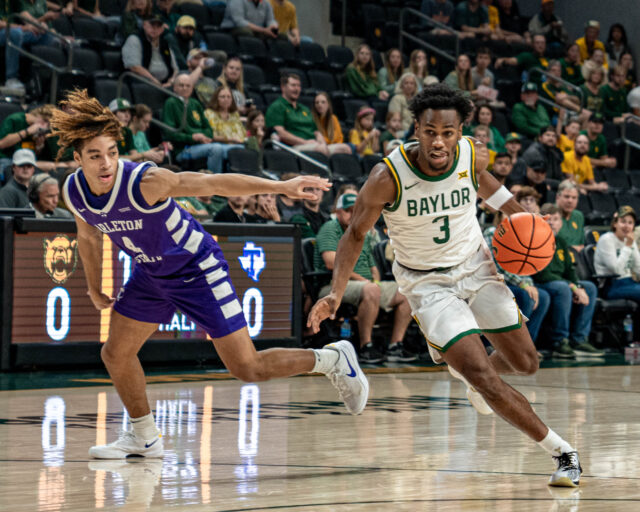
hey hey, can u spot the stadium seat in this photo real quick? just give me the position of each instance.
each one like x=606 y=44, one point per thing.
x=383 y=264
x=252 y=49
x=216 y=15
x=634 y=178
x=312 y=55
x=89 y=29
x=7 y=108
x=112 y=7
x=106 y=89
x=368 y=161
x=86 y=60
x=603 y=205
x=592 y=234
x=345 y=168
x=608 y=315
x=617 y=179
x=322 y=80
x=338 y=57
x=257 y=98
x=244 y=161
x=630 y=199
x=214 y=71
x=351 y=108
x=381 y=107
x=221 y=41
x=152 y=97
x=270 y=97
x=307 y=167
x=285 y=51
x=112 y=61
x=500 y=122
x=62 y=25
x=253 y=76
x=307 y=100
x=279 y=161
x=199 y=12
x=373 y=19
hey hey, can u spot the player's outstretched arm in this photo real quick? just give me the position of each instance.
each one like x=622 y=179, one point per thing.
x=90 y=249
x=378 y=191
x=158 y=184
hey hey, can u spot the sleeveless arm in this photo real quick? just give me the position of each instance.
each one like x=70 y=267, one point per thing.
x=378 y=191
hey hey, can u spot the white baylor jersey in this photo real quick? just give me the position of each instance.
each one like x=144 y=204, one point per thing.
x=432 y=223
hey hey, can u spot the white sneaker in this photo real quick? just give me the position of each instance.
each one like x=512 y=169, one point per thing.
x=14 y=86
x=348 y=378
x=476 y=399
x=129 y=445
x=568 y=472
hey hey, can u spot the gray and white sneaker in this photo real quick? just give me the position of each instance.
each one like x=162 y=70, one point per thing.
x=129 y=445
x=348 y=378
x=568 y=472
x=13 y=86
x=476 y=399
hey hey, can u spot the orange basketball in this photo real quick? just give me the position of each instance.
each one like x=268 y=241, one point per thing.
x=524 y=244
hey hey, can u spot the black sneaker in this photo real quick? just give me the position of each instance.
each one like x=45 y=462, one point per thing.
x=370 y=354
x=563 y=350
x=397 y=352
x=568 y=472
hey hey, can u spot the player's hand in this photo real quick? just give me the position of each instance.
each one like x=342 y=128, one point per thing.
x=533 y=293
x=100 y=300
x=326 y=307
x=295 y=188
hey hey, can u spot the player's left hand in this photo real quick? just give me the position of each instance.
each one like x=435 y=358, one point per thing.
x=295 y=188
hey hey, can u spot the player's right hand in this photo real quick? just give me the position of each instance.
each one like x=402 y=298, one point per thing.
x=100 y=300
x=324 y=308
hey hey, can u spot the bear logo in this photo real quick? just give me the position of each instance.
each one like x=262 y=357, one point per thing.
x=60 y=257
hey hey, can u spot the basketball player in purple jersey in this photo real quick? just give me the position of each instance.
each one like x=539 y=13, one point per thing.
x=178 y=265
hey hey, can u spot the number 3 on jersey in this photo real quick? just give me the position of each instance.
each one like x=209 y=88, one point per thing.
x=444 y=228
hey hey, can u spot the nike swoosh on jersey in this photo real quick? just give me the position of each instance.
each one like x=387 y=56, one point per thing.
x=407 y=187
x=149 y=445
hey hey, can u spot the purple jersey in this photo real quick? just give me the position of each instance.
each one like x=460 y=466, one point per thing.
x=163 y=238
x=178 y=264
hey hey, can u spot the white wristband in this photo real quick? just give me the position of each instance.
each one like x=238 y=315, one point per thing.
x=498 y=198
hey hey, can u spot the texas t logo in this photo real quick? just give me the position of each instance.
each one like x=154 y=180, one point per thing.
x=252 y=260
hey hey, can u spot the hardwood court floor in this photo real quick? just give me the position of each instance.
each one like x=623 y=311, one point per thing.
x=290 y=445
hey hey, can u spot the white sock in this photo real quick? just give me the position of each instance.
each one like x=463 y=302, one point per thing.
x=555 y=445
x=145 y=427
x=325 y=359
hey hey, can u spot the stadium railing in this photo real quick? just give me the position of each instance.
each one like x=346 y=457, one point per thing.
x=627 y=127
x=404 y=34
x=571 y=87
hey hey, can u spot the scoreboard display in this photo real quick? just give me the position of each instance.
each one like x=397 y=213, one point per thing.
x=50 y=302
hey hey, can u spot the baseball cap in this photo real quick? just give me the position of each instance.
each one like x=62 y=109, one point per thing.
x=365 y=112
x=154 y=18
x=186 y=21
x=529 y=87
x=625 y=210
x=24 y=157
x=120 y=104
x=346 y=201
x=596 y=117
x=194 y=52
x=513 y=136
x=592 y=23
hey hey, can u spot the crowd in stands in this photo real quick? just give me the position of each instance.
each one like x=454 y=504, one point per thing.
x=551 y=116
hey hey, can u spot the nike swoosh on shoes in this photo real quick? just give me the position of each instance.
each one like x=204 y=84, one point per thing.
x=149 y=445
x=353 y=371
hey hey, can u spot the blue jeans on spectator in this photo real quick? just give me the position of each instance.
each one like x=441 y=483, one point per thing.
x=625 y=288
x=46 y=39
x=214 y=152
x=525 y=303
x=11 y=55
x=561 y=307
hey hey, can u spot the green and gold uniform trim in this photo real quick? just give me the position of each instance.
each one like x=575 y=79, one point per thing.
x=474 y=177
x=509 y=327
x=396 y=177
x=426 y=177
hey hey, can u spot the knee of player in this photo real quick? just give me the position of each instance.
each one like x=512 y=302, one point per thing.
x=528 y=364
x=252 y=372
x=484 y=380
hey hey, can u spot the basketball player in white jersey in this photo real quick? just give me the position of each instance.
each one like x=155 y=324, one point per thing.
x=427 y=191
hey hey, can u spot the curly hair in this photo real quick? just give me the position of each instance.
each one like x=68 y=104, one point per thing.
x=440 y=97
x=85 y=119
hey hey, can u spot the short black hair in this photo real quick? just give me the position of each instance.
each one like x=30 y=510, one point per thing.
x=440 y=97
x=548 y=128
x=284 y=78
x=502 y=155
